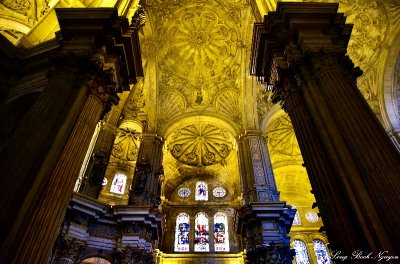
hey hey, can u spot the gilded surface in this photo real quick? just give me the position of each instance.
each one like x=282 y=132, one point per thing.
x=200 y=144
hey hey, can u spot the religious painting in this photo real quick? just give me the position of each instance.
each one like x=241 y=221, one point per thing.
x=201 y=191
x=118 y=184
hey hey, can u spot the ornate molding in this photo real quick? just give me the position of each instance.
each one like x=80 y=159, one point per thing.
x=126 y=145
x=200 y=144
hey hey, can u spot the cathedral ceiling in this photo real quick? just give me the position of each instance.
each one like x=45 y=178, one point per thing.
x=199 y=50
x=17 y=17
x=199 y=57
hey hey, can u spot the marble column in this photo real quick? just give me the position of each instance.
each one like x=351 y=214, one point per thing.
x=31 y=154
x=61 y=182
x=352 y=164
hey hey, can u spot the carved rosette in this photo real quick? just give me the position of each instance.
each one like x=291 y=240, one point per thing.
x=126 y=145
x=281 y=137
x=200 y=144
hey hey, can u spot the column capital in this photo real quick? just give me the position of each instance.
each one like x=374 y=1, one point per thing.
x=288 y=31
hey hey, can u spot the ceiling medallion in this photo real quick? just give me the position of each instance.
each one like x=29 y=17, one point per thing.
x=200 y=144
x=201 y=41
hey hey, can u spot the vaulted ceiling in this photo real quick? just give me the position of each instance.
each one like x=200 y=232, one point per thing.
x=197 y=92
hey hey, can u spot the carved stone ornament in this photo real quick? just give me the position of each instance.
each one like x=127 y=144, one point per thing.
x=32 y=10
x=139 y=18
x=68 y=247
x=200 y=144
x=126 y=145
x=281 y=137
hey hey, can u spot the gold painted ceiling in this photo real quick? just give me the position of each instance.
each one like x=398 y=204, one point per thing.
x=196 y=57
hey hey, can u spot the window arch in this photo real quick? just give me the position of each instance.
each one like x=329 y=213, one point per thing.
x=221 y=238
x=118 y=184
x=182 y=232
x=201 y=191
x=301 y=252
x=321 y=252
x=201 y=235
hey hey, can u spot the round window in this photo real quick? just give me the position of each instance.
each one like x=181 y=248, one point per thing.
x=219 y=192
x=312 y=217
x=184 y=192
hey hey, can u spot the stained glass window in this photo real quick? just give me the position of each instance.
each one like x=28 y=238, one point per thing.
x=301 y=252
x=221 y=240
x=321 y=252
x=184 y=192
x=296 y=220
x=312 y=217
x=201 y=191
x=201 y=236
x=219 y=192
x=182 y=232
x=118 y=183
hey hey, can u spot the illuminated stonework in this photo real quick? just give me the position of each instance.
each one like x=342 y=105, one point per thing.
x=281 y=137
x=126 y=145
x=200 y=144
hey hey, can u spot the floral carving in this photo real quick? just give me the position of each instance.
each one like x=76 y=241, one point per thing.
x=281 y=137
x=200 y=144
x=369 y=30
x=126 y=145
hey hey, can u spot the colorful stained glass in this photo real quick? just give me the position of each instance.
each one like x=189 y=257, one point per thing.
x=321 y=252
x=296 y=220
x=118 y=184
x=301 y=252
x=312 y=217
x=201 y=191
x=182 y=233
x=201 y=235
x=221 y=240
x=184 y=192
x=219 y=192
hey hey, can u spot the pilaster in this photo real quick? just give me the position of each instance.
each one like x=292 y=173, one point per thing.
x=263 y=221
x=258 y=183
x=146 y=185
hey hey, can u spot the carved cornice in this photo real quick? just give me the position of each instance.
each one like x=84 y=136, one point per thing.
x=111 y=32
x=322 y=28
